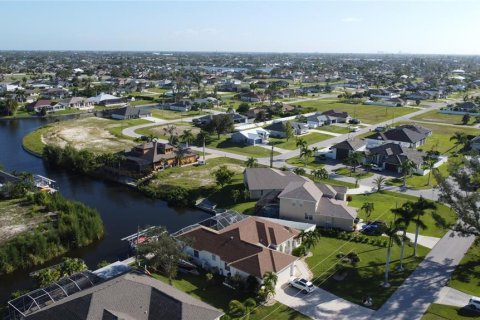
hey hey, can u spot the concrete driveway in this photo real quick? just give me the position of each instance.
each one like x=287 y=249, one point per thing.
x=321 y=304
x=453 y=297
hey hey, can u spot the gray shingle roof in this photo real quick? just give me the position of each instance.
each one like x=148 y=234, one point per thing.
x=270 y=179
x=406 y=133
x=130 y=296
x=307 y=191
x=350 y=144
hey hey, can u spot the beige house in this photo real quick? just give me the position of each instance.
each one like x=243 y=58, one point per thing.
x=300 y=199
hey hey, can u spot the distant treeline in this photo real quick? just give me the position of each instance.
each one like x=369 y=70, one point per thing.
x=71 y=225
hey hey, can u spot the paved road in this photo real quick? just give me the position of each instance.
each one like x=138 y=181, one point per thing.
x=424 y=285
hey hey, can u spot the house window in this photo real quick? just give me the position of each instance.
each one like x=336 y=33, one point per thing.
x=306 y=216
x=227 y=268
x=293 y=203
x=214 y=257
x=195 y=253
x=310 y=217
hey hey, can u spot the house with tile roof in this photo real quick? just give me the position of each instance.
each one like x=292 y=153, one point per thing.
x=300 y=199
x=133 y=295
x=251 y=246
x=408 y=135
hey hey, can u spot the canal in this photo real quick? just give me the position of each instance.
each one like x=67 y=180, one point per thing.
x=122 y=208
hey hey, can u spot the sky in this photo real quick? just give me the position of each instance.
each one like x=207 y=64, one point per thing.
x=336 y=26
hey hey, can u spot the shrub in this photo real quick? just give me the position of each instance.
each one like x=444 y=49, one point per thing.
x=349 y=198
x=299 y=251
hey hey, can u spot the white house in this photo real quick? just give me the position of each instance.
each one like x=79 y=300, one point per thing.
x=251 y=136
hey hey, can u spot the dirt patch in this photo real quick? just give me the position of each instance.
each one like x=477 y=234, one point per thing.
x=90 y=133
x=179 y=128
x=16 y=218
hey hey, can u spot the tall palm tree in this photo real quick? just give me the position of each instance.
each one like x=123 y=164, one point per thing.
x=379 y=181
x=251 y=162
x=310 y=239
x=429 y=161
x=187 y=136
x=406 y=168
x=305 y=154
x=301 y=144
x=460 y=139
x=419 y=209
x=270 y=281
x=354 y=159
x=405 y=217
x=368 y=207
x=393 y=237
x=179 y=155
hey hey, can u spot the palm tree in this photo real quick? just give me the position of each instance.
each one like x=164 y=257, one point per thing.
x=179 y=155
x=251 y=162
x=236 y=309
x=406 y=167
x=419 y=209
x=460 y=138
x=406 y=216
x=379 y=181
x=392 y=234
x=302 y=144
x=187 y=136
x=270 y=281
x=354 y=159
x=305 y=154
x=320 y=174
x=368 y=207
x=309 y=239
x=429 y=161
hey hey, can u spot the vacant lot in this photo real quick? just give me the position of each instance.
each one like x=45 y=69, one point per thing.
x=385 y=201
x=366 y=277
x=171 y=115
x=159 y=131
x=367 y=114
x=16 y=217
x=94 y=134
x=291 y=144
x=437 y=116
x=227 y=145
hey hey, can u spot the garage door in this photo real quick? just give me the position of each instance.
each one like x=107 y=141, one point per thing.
x=284 y=276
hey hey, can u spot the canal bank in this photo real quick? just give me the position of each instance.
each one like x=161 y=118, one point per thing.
x=122 y=208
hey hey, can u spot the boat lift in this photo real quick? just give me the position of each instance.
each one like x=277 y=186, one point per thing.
x=138 y=237
x=45 y=184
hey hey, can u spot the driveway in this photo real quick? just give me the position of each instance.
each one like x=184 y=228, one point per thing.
x=321 y=304
x=453 y=297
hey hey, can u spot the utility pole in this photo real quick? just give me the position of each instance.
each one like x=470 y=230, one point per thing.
x=271 y=157
x=204 y=162
x=136 y=247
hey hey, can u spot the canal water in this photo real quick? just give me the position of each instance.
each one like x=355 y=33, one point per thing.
x=122 y=208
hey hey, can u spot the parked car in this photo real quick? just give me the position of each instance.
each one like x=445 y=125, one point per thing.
x=474 y=303
x=354 y=129
x=377 y=168
x=302 y=284
x=374 y=227
x=380 y=129
x=354 y=121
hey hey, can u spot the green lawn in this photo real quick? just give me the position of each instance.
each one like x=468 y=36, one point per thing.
x=33 y=141
x=367 y=276
x=225 y=144
x=444 y=312
x=367 y=114
x=386 y=200
x=122 y=124
x=219 y=296
x=158 y=130
x=419 y=182
x=310 y=138
x=172 y=115
x=140 y=102
x=437 y=116
x=360 y=174
x=335 y=129
x=311 y=164
x=466 y=276
x=440 y=138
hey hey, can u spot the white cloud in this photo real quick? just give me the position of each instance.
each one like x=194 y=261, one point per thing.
x=351 y=19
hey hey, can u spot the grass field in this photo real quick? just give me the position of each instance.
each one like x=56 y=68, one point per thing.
x=219 y=296
x=360 y=174
x=466 y=276
x=437 y=116
x=310 y=138
x=367 y=276
x=172 y=115
x=444 y=312
x=419 y=182
x=311 y=164
x=367 y=114
x=225 y=144
x=334 y=129
x=385 y=201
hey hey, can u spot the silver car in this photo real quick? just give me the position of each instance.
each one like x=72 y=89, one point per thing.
x=302 y=284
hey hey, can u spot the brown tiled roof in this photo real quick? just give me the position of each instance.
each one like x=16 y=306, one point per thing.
x=244 y=245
